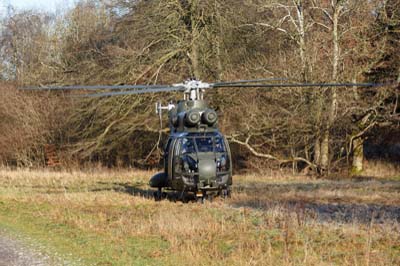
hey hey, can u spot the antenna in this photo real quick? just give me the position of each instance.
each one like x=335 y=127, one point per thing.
x=159 y=109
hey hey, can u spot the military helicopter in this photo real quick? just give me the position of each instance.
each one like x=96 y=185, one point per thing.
x=197 y=157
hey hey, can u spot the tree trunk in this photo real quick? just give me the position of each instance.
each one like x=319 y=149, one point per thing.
x=218 y=42
x=325 y=149
x=195 y=34
x=358 y=155
x=304 y=75
x=302 y=40
x=333 y=93
x=194 y=58
x=219 y=59
x=355 y=91
x=317 y=150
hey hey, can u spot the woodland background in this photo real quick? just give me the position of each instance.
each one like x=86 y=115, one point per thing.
x=167 y=41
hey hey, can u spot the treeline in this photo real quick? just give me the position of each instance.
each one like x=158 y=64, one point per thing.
x=168 y=41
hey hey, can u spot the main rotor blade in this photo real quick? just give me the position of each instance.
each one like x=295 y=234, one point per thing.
x=302 y=85
x=246 y=81
x=95 y=87
x=120 y=93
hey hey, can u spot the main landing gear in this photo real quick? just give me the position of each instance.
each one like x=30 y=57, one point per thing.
x=200 y=196
x=159 y=194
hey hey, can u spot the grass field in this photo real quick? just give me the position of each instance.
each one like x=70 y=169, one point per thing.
x=109 y=218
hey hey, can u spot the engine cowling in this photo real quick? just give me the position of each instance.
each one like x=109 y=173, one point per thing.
x=192 y=118
x=209 y=117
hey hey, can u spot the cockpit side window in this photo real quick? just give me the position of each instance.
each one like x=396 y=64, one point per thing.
x=219 y=145
x=187 y=146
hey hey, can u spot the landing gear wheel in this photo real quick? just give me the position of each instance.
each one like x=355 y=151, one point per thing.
x=158 y=195
x=201 y=199
x=210 y=197
x=226 y=193
x=184 y=197
x=222 y=193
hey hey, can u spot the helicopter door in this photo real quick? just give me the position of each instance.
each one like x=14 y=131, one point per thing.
x=175 y=169
x=169 y=159
x=228 y=151
x=183 y=162
x=166 y=153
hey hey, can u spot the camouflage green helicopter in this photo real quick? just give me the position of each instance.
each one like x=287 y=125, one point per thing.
x=197 y=157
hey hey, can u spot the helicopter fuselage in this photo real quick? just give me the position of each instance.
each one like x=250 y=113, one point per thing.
x=197 y=156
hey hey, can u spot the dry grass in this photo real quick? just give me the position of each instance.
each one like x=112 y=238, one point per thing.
x=381 y=169
x=105 y=218
x=371 y=191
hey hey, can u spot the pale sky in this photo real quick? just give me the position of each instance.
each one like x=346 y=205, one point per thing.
x=47 y=5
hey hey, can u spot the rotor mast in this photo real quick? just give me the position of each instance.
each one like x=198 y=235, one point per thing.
x=194 y=89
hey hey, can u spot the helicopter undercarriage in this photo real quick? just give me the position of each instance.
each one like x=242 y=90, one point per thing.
x=201 y=195
x=191 y=186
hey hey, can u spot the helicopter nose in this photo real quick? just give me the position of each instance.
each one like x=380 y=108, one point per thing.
x=207 y=169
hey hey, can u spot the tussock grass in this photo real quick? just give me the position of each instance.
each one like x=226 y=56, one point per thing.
x=379 y=169
x=106 y=218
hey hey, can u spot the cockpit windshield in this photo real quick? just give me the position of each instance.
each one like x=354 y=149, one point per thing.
x=202 y=144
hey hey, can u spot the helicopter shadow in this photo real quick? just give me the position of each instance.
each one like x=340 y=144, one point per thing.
x=137 y=190
x=124 y=187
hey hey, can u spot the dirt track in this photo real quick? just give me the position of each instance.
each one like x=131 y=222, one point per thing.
x=15 y=253
x=331 y=212
x=323 y=207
